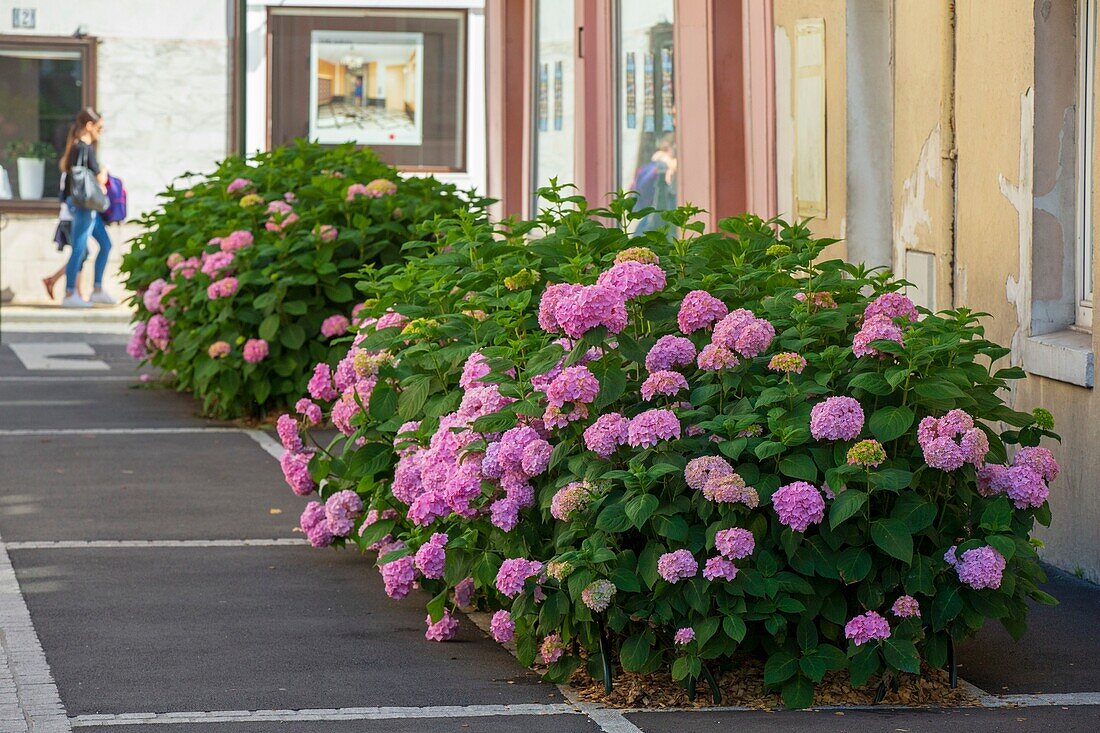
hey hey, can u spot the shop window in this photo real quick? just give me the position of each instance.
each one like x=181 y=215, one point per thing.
x=646 y=101
x=392 y=80
x=43 y=84
x=554 y=84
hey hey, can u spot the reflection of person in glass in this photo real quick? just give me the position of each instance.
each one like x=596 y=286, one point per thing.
x=655 y=182
x=358 y=91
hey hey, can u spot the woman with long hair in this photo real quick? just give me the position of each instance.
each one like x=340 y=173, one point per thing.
x=80 y=148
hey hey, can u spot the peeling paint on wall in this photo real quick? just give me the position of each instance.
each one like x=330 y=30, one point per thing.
x=914 y=212
x=1019 y=195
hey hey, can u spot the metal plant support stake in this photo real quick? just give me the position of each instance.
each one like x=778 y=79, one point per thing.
x=952 y=663
x=715 y=691
x=605 y=657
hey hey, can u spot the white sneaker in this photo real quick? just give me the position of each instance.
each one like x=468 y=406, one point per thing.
x=75 y=301
x=101 y=297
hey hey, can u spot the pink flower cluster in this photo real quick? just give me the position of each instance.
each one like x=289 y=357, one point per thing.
x=867 y=627
x=649 y=428
x=576 y=387
x=158 y=331
x=295 y=465
x=906 y=607
x=281 y=216
x=633 y=279
x=335 y=325
x=224 y=288
x=236 y=240
x=951 y=441
x=431 y=558
x=218 y=350
x=719 y=568
x=606 y=433
x=153 y=296
x=715 y=358
x=570 y=499
x=502 y=627
x=577 y=309
x=698 y=310
x=442 y=630
x=376 y=189
x=980 y=567
x=514 y=573
x=238 y=184
x=665 y=382
x=684 y=636
x=1025 y=482
x=670 y=352
x=734 y=543
x=255 y=350
x=878 y=328
x=836 y=418
x=677 y=565
x=891 y=305
x=216 y=263
x=743 y=333
x=341 y=511
x=798 y=505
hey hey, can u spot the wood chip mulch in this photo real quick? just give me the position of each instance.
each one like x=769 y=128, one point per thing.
x=744 y=687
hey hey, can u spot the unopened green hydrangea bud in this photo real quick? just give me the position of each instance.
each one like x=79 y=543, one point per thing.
x=1043 y=418
x=420 y=328
x=638 y=254
x=778 y=250
x=866 y=453
x=559 y=570
x=525 y=278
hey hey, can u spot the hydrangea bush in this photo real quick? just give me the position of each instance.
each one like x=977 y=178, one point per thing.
x=679 y=450
x=239 y=279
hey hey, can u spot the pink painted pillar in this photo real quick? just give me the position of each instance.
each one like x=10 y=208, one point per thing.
x=508 y=48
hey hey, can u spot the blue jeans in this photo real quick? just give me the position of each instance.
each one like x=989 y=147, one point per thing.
x=86 y=223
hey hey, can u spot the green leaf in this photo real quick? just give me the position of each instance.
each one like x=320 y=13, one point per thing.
x=997 y=516
x=1002 y=544
x=634 y=652
x=864 y=664
x=292 y=336
x=901 y=654
x=921 y=577
x=613 y=518
x=781 y=666
x=891 y=479
x=813 y=666
x=854 y=564
x=269 y=327
x=375 y=532
x=894 y=538
x=734 y=627
x=641 y=508
x=799 y=465
x=798 y=693
x=945 y=606
x=889 y=423
x=846 y=505
x=414 y=393
x=872 y=383
x=916 y=513
x=768 y=448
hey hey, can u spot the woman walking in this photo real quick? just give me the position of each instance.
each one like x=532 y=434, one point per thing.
x=80 y=149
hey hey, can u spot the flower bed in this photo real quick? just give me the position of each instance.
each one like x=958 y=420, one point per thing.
x=239 y=280
x=682 y=452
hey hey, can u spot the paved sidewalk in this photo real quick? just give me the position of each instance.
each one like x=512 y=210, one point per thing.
x=150 y=574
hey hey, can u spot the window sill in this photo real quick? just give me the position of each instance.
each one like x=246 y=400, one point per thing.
x=1063 y=355
x=29 y=206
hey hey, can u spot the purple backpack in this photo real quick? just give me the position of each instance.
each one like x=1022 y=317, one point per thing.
x=116 y=198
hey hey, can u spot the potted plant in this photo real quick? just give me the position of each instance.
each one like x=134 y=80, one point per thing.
x=30 y=157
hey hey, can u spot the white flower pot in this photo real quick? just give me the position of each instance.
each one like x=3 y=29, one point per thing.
x=32 y=177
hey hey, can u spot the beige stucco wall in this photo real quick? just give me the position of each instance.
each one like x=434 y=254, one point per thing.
x=787 y=13
x=924 y=140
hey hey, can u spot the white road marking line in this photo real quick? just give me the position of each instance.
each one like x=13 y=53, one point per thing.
x=28 y=696
x=50 y=356
x=269 y=444
x=43 y=403
x=329 y=714
x=1067 y=699
x=73 y=378
x=131 y=544
x=119 y=431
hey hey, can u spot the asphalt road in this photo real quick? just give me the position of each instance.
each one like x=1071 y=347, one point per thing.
x=225 y=624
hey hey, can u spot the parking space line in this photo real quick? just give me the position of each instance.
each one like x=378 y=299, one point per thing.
x=119 y=431
x=26 y=685
x=328 y=714
x=141 y=544
x=269 y=444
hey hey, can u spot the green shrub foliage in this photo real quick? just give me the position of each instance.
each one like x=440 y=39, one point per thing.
x=703 y=446
x=239 y=279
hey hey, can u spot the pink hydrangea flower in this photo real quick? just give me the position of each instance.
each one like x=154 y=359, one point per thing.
x=341 y=510
x=308 y=410
x=327 y=232
x=536 y=457
x=398 y=576
x=502 y=627
x=442 y=630
x=158 y=331
x=464 y=592
x=236 y=240
x=1039 y=460
x=504 y=514
x=282 y=216
x=677 y=565
x=136 y=346
x=514 y=572
x=665 y=383
x=152 y=296
x=476 y=367
x=649 y=428
x=734 y=543
x=606 y=434
x=906 y=607
x=320 y=384
x=730 y=489
x=981 y=567
x=867 y=627
x=580 y=310
x=670 y=352
x=315 y=524
x=570 y=499
x=428 y=507
x=238 y=184
x=836 y=418
x=715 y=358
x=699 y=309
x=597 y=595
x=218 y=350
x=287 y=428
x=1026 y=488
x=942 y=450
x=295 y=467
x=391 y=319
x=336 y=325
x=787 y=363
x=744 y=333
x=633 y=279
x=719 y=567
x=798 y=505
x=575 y=384
x=549 y=303
x=891 y=305
x=878 y=328
x=552 y=648
x=702 y=469
x=255 y=351
x=224 y=288
x=684 y=636
x=431 y=558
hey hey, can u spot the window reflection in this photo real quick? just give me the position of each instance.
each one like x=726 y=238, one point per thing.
x=555 y=51
x=646 y=129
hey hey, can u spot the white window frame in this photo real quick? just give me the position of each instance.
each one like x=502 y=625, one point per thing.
x=1086 y=96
